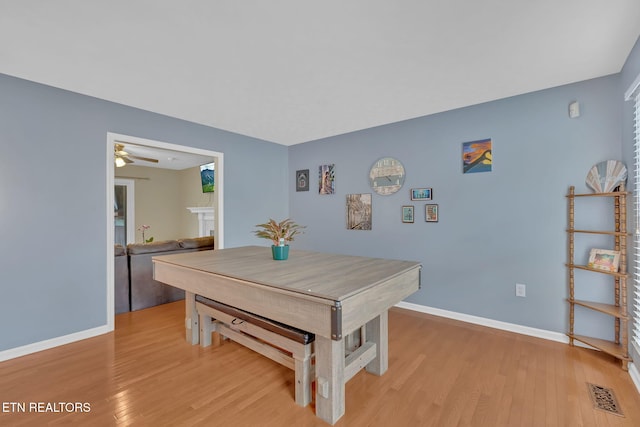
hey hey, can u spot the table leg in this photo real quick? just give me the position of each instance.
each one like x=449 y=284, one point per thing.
x=329 y=379
x=378 y=332
x=191 y=319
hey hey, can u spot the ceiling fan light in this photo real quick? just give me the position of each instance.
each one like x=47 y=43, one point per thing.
x=120 y=162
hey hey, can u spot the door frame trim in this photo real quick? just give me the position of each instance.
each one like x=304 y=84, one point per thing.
x=110 y=181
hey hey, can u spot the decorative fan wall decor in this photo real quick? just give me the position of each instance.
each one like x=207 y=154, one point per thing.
x=606 y=176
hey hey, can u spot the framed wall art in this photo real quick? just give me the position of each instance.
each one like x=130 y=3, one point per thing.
x=477 y=156
x=302 y=180
x=407 y=214
x=326 y=179
x=421 y=194
x=207 y=177
x=431 y=213
x=359 y=211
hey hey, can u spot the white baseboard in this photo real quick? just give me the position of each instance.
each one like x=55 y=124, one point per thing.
x=496 y=324
x=53 y=342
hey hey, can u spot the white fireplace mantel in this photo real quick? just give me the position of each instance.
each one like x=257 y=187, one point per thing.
x=205 y=220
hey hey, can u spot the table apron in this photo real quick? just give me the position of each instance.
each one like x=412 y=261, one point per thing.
x=364 y=306
x=305 y=312
x=324 y=317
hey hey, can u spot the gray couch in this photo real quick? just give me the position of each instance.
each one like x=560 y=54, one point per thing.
x=121 y=280
x=142 y=290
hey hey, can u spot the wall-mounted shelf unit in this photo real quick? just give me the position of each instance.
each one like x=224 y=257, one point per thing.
x=618 y=348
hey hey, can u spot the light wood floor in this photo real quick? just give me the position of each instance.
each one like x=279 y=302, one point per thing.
x=441 y=373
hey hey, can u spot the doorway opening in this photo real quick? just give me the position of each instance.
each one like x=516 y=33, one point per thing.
x=218 y=227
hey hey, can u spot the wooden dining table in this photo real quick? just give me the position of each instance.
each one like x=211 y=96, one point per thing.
x=329 y=295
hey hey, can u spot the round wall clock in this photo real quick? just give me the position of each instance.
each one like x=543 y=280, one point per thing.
x=386 y=176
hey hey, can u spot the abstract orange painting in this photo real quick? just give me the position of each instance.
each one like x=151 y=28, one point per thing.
x=476 y=156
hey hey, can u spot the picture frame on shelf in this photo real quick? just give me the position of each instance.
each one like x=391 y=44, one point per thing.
x=421 y=193
x=431 y=213
x=407 y=214
x=604 y=259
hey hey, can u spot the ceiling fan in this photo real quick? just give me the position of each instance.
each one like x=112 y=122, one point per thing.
x=123 y=158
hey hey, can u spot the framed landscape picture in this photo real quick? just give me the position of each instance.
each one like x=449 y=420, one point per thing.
x=207 y=177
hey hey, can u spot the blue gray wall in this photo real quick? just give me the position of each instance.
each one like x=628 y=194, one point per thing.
x=495 y=229
x=53 y=201
x=630 y=72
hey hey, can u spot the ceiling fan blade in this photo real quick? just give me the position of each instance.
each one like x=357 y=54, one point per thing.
x=119 y=152
x=145 y=159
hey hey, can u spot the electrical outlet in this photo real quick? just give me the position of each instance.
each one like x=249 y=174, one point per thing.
x=521 y=290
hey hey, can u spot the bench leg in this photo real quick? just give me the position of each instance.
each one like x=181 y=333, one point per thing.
x=378 y=332
x=207 y=327
x=303 y=376
x=191 y=319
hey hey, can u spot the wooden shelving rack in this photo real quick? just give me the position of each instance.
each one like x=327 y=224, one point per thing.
x=620 y=347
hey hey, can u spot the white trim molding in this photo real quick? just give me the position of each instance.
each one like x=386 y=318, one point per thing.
x=206 y=220
x=110 y=180
x=53 y=342
x=483 y=321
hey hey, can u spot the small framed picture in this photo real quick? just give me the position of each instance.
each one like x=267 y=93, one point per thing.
x=421 y=194
x=359 y=211
x=477 y=156
x=407 y=214
x=431 y=213
x=603 y=259
x=326 y=179
x=302 y=180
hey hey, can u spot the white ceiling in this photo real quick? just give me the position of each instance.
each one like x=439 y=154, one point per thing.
x=291 y=71
x=167 y=159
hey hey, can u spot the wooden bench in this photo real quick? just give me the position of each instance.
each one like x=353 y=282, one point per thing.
x=289 y=346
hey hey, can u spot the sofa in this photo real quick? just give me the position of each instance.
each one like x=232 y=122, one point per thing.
x=141 y=289
x=121 y=263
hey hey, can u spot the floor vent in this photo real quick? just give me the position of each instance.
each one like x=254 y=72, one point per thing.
x=604 y=399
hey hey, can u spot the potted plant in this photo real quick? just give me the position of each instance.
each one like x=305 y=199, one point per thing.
x=280 y=234
x=144 y=228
